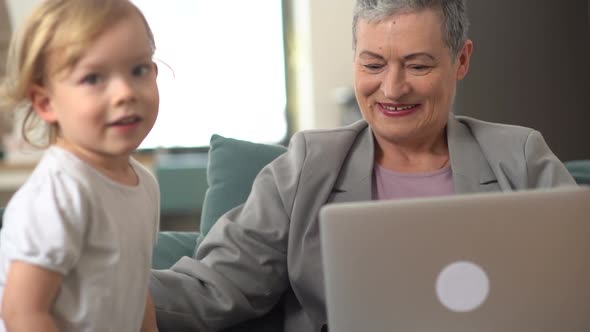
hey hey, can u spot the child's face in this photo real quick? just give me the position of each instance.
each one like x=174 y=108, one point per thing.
x=108 y=102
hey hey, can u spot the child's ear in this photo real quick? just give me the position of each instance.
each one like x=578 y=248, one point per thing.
x=41 y=103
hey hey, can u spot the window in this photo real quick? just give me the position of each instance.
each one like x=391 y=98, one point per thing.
x=221 y=70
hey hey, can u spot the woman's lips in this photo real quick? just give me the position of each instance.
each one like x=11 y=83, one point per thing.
x=396 y=110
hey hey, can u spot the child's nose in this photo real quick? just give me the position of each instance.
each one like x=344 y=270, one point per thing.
x=124 y=91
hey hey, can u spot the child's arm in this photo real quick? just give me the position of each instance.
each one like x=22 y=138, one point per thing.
x=149 y=317
x=29 y=296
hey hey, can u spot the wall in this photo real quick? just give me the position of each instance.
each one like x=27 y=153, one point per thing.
x=19 y=9
x=323 y=59
x=5 y=31
x=531 y=66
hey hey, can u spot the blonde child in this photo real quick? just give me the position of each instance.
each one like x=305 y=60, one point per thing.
x=77 y=240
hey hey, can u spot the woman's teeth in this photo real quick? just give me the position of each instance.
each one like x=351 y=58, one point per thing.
x=400 y=108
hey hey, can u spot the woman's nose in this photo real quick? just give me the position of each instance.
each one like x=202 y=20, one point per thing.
x=394 y=85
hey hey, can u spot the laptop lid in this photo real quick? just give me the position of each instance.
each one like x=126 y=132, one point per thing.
x=516 y=261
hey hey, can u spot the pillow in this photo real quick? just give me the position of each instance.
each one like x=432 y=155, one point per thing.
x=233 y=165
x=580 y=170
x=171 y=246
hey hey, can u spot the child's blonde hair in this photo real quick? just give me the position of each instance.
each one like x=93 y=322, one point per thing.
x=63 y=26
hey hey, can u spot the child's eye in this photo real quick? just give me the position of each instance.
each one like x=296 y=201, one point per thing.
x=91 y=79
x=141 y=70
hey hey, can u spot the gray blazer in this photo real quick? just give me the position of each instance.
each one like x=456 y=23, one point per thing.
x=267 y=250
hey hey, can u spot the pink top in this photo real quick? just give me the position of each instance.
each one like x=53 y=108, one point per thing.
x=388 y=184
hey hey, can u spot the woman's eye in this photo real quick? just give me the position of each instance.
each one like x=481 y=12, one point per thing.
x=420 y=69
x=141 y=70
x=91 y=79
x=373 y=66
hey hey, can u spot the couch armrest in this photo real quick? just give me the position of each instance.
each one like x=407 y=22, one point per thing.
x=172 y=246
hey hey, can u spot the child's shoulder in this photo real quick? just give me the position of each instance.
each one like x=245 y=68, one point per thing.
x=146 y=176
x=46 y=219
x=56 y=177
x=58 y=164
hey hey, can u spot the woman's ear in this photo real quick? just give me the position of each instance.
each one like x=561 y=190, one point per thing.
x=464 y=58
x=41 y=103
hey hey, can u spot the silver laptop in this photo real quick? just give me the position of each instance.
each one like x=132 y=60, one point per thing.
x=510 y=262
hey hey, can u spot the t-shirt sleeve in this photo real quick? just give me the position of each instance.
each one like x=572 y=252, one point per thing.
x=45 y=223
x=152 y=188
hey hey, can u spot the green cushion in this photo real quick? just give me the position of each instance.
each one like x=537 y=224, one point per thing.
x=172 y=246
x=580 y=170
x=233 y=165
x=183 y=182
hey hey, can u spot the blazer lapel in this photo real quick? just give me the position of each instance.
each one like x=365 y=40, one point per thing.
x=471 y=171
x=354 y=181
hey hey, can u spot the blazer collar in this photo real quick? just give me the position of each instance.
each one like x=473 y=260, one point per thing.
x=471 y=171
x=355 y=179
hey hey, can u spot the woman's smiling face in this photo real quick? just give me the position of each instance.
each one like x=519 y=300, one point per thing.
x=406 y=77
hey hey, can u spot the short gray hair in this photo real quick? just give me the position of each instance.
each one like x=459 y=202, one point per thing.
x=453 y=14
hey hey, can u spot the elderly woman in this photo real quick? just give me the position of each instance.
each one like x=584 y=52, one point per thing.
x=409 y=56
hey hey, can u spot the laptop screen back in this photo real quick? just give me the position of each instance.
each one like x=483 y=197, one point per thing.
x=482 y=262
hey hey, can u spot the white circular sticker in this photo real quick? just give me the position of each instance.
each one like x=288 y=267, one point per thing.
x=462 y=286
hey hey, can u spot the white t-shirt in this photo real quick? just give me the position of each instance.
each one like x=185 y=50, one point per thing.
x=99 y=234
